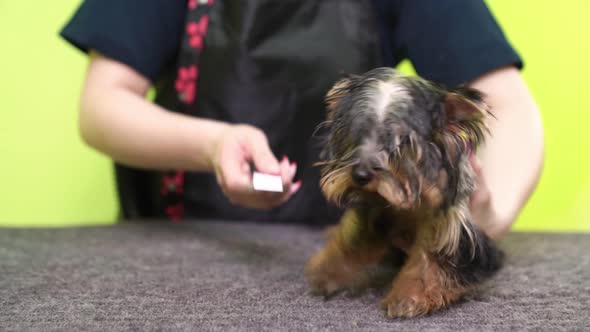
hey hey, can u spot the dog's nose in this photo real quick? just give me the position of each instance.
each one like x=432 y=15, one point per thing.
x=361 y=176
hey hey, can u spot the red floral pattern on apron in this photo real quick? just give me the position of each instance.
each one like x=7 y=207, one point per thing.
x=186 y=91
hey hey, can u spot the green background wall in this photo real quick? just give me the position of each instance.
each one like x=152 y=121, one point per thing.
x=49 y=178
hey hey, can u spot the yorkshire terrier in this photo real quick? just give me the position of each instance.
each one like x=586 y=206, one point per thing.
x=397 y=159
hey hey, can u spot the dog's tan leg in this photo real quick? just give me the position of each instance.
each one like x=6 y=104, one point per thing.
x=421 y=287
x=353 y=247
x=436 y=275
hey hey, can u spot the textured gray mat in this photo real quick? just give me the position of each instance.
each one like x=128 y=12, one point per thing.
x=247 y=277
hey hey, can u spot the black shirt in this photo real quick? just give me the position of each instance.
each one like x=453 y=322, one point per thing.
x=450 y=41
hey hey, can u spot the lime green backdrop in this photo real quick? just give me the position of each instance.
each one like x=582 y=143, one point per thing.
x=50 y=178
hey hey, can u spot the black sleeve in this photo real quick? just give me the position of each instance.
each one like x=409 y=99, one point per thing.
x=143 y=34
x=450 y=41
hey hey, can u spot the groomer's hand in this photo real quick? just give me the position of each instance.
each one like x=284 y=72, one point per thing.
x=234 y=150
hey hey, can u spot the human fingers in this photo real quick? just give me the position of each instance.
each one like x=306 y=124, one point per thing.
x=259 y=150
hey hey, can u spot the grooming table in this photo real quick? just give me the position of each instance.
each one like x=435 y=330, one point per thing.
x=224 y=276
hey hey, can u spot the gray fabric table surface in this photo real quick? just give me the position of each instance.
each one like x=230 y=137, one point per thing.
x=225 y=276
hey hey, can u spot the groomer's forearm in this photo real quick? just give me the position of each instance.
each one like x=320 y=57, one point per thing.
x=117 y=120
x=138 y=133
x=512 y=159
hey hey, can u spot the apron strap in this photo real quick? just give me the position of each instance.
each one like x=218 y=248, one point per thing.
x=193 y=41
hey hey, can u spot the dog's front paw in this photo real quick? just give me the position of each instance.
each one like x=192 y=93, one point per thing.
x=329 y=272
x=321 y=277
x=405 y=307
x=410 y=299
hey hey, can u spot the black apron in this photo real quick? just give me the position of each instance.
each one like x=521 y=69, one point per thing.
x=268 y=63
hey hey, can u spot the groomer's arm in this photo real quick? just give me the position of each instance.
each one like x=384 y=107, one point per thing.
x=117 y=120
x=512 y=159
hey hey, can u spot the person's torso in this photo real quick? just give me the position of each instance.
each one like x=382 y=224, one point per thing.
x=269 y=63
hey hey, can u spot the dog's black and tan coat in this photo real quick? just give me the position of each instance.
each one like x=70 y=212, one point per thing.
x=396 y=157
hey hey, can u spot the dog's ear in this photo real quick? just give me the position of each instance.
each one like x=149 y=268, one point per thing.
x=463 y=120
x=335 y=94
x=464 y=104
